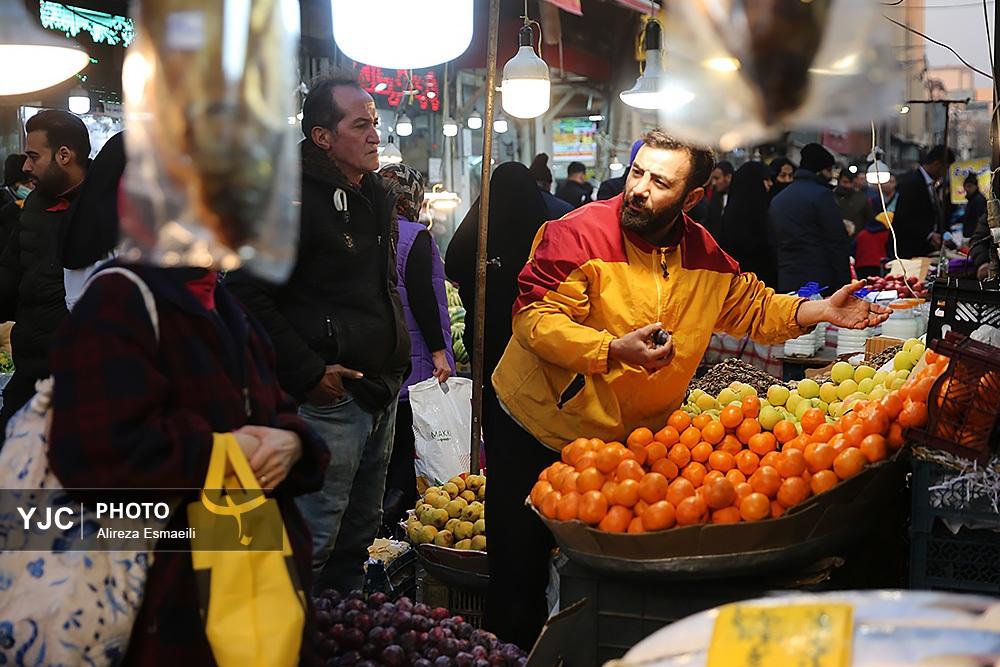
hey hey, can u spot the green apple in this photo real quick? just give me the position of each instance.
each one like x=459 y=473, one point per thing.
x=903 y=375
x=828 y=392
x=836 y=408
x=866 y=385
x=793 y=401
x=822 y=405
x=768 y=417
x=902 y=361
x=916 y=353
x=881 y=377
x=802 y=408
x=706 y=402
x=909 y=343
x=746 y=390
x=878 y=393
x=841 y=371
x=862 y=372
x=808 y=388
x=695 y=395
x=846 y=388
x=727 y=396
x=777 y=395
x=897 y=384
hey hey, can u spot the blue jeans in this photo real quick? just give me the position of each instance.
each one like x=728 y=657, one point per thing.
x=344 y=516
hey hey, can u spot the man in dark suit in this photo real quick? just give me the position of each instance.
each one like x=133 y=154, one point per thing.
x=917 y=221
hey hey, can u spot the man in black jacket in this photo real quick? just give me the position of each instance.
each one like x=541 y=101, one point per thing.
x=337 y=324
x=31 y=277
x=917 y=220
x=576 y=190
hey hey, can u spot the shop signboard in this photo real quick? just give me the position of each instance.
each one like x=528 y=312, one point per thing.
x=574 y=140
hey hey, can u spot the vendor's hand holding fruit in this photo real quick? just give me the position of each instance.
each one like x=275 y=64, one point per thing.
x=639 y=348
x=843 y=310
x=278 y=450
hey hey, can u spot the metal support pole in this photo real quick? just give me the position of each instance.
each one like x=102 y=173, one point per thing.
x=992 y=217
x=484 y=211
x=946 y=198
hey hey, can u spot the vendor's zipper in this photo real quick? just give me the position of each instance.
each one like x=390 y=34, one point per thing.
x=659 y=252
x=246 y=401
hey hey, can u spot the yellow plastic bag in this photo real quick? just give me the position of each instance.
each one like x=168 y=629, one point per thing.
x=251 y=602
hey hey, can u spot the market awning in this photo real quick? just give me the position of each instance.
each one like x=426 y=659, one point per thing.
x=571 y=6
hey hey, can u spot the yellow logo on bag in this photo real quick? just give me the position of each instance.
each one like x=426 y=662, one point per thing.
x=234 y=510
x=806 y=635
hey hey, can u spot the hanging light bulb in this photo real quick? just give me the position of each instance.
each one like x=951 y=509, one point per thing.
x=652 y=90
x=449 y=128
x=616 y=164
x=878 y=171
x=390 y=154
x=79 y=101
x=474 y=121
x=404 y=126
x=417 y=34
x=500 y=125
x=43 y=59
x=525 y=88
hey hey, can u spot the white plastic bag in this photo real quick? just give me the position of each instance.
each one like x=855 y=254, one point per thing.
x=442 y=425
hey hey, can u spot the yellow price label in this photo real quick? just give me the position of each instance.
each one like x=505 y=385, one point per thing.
x=806 y=635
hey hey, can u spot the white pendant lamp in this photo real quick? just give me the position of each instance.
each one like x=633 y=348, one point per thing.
x=652 y=89
x=404 y=126
x=525 y=88
x=449 y=128
x=79 y=101
x=878 y=172
x=414 y=34
x=475 y=120
x=34 y=59
x=390 y=154
x=500 y=125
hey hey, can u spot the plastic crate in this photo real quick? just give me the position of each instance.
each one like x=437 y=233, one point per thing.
x=965 y=400
x=620 y=613
x=963 y=306
x=467 y=603
x=967 y=561
x=928 y=506
x=402 y=573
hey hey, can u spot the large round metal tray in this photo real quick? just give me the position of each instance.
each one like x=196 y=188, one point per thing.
x=818 y=527
x=466 y=568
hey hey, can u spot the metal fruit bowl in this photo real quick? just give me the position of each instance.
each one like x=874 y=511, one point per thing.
x=459 y=567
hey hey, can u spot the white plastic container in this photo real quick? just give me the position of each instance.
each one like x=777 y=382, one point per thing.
x=852 y=341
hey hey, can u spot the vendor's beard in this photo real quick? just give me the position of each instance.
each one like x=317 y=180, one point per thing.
x=648 y=223
x=53 y=181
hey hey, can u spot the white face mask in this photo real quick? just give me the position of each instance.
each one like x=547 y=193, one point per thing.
x=22 y=191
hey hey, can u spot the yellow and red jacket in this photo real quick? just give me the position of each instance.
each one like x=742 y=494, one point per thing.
x=588 y=282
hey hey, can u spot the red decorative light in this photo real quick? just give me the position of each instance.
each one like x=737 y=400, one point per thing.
x=397 y=84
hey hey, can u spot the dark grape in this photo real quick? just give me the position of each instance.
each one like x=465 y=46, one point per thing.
x=350 y=658
x=355 y=605
x=351 y=616
x=480 y=652
x=463 y=644
x=337 y=631
x=356 y=595
x=330 y=594
x=420 y=609
x=422 y=662
x=322 y=604
x=368 y=650
x=439 y=613
x=444 y=661
x=436 y=635
x=482 y=662
x=363 y=622
x=522 y=661
x=353 y=638
x=381 y=618
x=328 y=648
x=393 y=656
x=457 y=620
x=377 y=636
x=388 y=607
x=431 y=653
x=367 y=663
x=402 y=620
x=336 y=615
x=463 y=659
x=404 y=604
x=376 y=600
x=464 y=631
x=408 y=640
x=323 y=620
x=449 y=647
x=422 y=623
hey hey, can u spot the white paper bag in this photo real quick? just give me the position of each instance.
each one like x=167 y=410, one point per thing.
x=442 y=424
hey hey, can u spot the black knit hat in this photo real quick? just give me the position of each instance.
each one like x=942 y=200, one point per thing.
x=971 y=178
x=816 y=158
x=13 y=171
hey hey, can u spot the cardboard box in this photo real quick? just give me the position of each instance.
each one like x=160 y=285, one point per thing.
x=878 y=345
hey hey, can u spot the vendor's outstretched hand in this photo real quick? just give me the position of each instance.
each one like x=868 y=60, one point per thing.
x=847 y=311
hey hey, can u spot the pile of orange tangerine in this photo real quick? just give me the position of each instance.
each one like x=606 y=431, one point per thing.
x=726 y=470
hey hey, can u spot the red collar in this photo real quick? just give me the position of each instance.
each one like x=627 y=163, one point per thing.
x=203 y=289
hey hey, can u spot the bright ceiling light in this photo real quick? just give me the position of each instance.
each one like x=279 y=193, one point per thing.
x=449 y=127
x=79 y=101
x=878 y=172
x=442 y=200
x=431 y=94
x=595 y=118
x=390 y=154
x=416 y=34
x=616 y=164
x=904 y=109
x=33 y=58
x=379 y=87
x=474 y=121
x=651 y=89
x=722 y=64
x=500 y=125
x=404 y=126
x=525 y=88
x=853 y=169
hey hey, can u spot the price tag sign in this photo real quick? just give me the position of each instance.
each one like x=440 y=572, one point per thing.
x=807 y=635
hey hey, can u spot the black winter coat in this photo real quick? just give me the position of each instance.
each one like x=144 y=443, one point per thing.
x=809 y=235
x=340 y=305
x=916 y=216
x=31 y=282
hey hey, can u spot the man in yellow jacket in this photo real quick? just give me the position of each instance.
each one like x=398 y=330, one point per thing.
x=584 y=360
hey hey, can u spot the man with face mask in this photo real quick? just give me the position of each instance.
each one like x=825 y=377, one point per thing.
x=17 y=186
x=617 y=305
x=31 y=277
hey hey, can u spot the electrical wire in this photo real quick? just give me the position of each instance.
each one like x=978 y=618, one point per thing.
x=942 y=44
x=989 y=39
x=888 y=218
